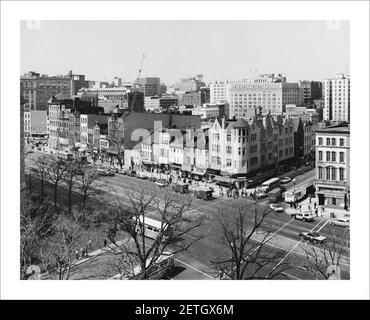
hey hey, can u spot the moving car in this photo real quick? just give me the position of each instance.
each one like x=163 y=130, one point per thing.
x=276 y=207
x=341 y=222
x=161 y=183
x=304 y=216
x=314 y=237
x=286 y=180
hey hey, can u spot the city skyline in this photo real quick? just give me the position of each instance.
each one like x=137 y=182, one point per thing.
x=293 y=42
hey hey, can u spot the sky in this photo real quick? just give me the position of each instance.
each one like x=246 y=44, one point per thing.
x=220 y=50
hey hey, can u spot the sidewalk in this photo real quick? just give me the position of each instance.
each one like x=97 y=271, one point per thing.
x=305 y=206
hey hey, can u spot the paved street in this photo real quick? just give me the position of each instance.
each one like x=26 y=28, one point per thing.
x=196 y=263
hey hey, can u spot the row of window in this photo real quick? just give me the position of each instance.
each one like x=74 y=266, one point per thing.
x=331 y=141
x=331 y=173
x=331 y=156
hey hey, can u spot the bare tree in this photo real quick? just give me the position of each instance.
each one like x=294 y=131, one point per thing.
x=325 y=259
x=41 y=171
x=87 y=179
x=58 y=253
x=56 y=173
x=70 y=178
x=175 y=234
x=116 y=146
x=245 y=253
x=36 y=224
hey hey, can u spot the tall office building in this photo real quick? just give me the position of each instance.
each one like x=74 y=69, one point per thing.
x=37 y=88
x=190 y=84
x=309 y=91
x=219 y=92
x=337 y=98
x=151 y=86
x=265 y=93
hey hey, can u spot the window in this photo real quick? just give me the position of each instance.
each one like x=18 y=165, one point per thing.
x=327 y=173
x=341 y=156
x=341 y=142
x=328 y=156
x=333 y=156
x=228 y=162
x=320 y=141
x=320 y=173
x=333 y=141
x=341 y=174
x=228 y=149
x=328 y=141
x=333 y=173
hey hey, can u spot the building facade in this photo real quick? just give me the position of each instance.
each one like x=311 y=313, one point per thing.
x=267 y=93
x=39 y=88
x=243 y=148
x=337 y=99
x=35 y=123
x=333 y=166
x=151 y=86
x=190 y=84
x=219 y=92
x=309 y=91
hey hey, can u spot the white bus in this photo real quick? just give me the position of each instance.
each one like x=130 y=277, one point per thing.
x=159 y=269
x=152 y=227
x=270 y=184
x=65 y=155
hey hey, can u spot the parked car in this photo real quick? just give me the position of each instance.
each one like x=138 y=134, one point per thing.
x=141 y=175
x=180 y=188
x=304 y=216
x=286 y=180
x=261 y=195
x=161 y=183
x=276 y=207
x=111 y=172
x=154 y=179
x=314 y=237
x=102 y=172
x=204 y=194
x=131 y=173
x=341 y=222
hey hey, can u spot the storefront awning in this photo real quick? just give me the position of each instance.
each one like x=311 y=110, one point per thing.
x=225 y=179
x=199 y=171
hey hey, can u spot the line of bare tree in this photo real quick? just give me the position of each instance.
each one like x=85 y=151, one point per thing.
x=72 y=173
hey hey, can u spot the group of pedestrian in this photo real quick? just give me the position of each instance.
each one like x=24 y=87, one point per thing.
x=83 y=252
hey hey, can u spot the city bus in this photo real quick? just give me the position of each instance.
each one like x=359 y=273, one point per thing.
x=65 y=155
x=270 y=184
x=161 y=268
x=152 y=228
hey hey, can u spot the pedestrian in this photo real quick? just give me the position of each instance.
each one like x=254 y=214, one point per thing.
x=81 y=252
x=77 y=254
x=314 y=205
x=317 y=212
x=105 y=242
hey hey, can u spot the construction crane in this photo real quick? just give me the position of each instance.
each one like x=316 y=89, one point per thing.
x=141 y=66
x=138 y=83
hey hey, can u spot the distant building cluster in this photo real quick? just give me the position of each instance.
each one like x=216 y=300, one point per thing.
x=240 y=128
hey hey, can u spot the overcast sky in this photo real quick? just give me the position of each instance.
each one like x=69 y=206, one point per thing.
x=220 y=50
